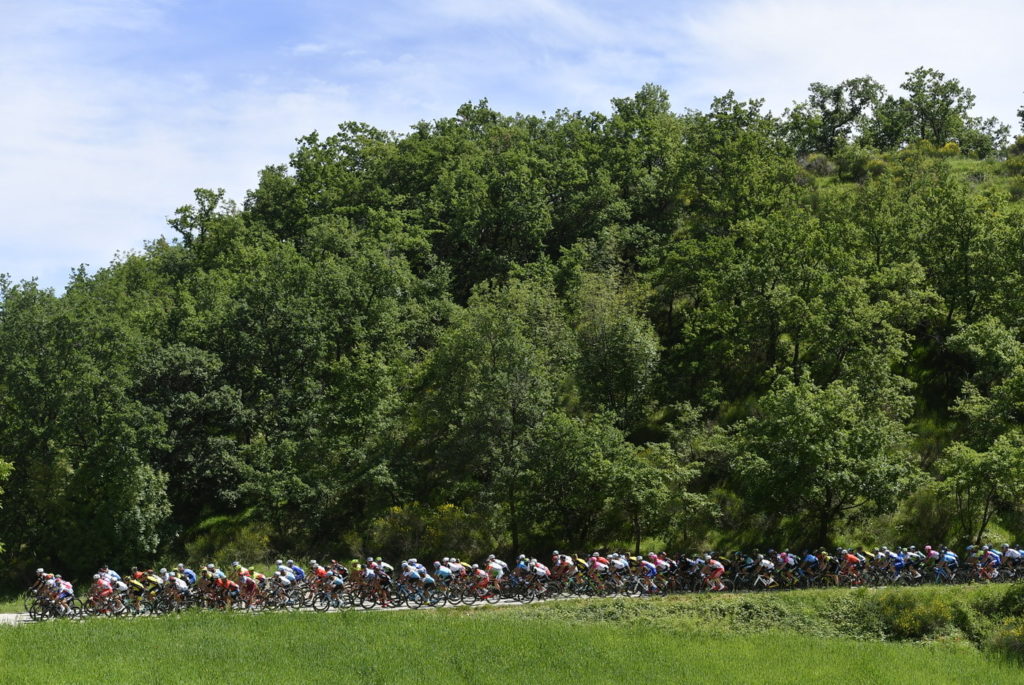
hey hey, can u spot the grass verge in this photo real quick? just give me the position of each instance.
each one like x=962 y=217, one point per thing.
x=729 y=639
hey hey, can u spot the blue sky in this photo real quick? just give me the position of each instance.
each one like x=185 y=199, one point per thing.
x=114 y=110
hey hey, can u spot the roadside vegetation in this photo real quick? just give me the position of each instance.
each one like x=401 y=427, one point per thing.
x=956 y=634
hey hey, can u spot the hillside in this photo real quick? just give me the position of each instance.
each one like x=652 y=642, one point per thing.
x=699 y=329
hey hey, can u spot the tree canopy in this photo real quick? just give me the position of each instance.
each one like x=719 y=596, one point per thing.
x=529 y=330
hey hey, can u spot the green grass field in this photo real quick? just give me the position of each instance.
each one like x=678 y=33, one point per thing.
x=600 y=641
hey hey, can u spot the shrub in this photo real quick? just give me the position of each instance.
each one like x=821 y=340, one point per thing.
x=1008 y=640
x=950 y=149
x=229 y=538
x=1017 y=147
x=876 y=167
x=852 y=162
x=432 y=531
x=1017 y=189
x=912 y=616
x=1014 y=166
x=819 y=164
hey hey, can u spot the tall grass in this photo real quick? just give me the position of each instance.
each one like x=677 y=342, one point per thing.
x=481 y=646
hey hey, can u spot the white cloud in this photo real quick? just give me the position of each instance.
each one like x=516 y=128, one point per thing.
x=310 y=48
x=104 y=135
x=774 y=48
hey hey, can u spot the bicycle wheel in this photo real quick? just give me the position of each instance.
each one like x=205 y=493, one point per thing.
x=414 y=599
x=368 y=600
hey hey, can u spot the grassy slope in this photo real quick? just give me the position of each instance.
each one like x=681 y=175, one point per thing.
x=770 y=639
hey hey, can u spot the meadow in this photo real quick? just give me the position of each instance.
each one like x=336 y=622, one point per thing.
x=782 y=638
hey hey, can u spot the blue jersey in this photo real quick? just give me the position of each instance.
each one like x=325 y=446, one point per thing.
x=190 y=576
x=299 y=573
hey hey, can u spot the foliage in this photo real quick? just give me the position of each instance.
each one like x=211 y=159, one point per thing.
x=823 y=453
x=566 y=329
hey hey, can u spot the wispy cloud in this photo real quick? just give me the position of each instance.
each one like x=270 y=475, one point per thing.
x=114 y=110
x=310 y=48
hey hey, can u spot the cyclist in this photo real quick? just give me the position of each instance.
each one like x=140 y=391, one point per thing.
x=496 y=570
x=990 y=561
x=647 y=573
x=714 y=570
x=443 y=573
x=809 y=564
x=101 y=592
x=1011 y=556
x=766 y=570
x=299 y=574
x=237 y=571
x=63 y=591
x=479 y=577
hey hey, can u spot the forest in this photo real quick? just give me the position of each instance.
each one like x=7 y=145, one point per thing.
x=696 y=329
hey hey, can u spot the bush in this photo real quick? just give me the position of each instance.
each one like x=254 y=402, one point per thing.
x=229 y=538
x=852 y=162
x=1014 y=166
x=1017 y=148
x=819 y=164
x=912 y=616
x=1017 y=189
x=1008 y=641
x=431 y=531
x=950 y=149
x=876 y=167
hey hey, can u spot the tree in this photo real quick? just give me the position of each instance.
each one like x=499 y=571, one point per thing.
x=938 y=107
x=487 y=388
x=981 y=483
x=821 y=454
x=5 y=472
x=618 y=349
x=832 y=115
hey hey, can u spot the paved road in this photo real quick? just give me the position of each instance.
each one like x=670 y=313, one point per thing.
x=13 y=619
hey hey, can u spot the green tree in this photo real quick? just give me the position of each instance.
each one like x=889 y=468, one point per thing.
x=821 y=454
x=979 y=484
x=832 y=115
x=494 y=376
x=938 y=107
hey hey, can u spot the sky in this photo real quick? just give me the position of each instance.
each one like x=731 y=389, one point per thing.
x=113 y=111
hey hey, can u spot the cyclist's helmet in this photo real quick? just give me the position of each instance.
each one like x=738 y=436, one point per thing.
x=210 y=567
x=555 y=553
x=476 y=566
x=96 y=576
x=163 y=570
x=40 y=571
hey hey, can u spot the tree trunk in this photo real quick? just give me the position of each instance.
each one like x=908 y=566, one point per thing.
x=636 y=533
